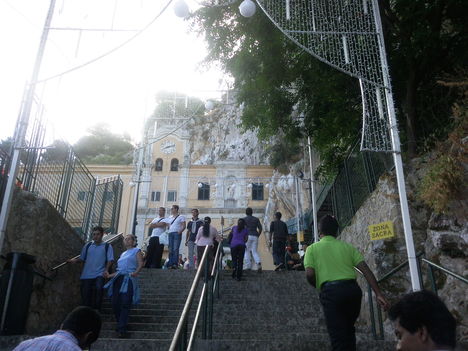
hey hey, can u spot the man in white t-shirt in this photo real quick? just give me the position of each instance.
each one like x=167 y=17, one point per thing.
x=155 y=248
x=176 y=224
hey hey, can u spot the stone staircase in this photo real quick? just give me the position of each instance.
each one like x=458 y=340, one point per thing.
x=273 y=311
x=153 y=322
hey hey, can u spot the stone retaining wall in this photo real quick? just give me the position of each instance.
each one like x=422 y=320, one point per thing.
x=441 y=238
x=36 y=228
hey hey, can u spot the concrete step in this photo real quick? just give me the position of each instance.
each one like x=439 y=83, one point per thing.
x=142 y=327
x=131 y=344
x=152 y=306
x=298 y=344
x=148 y=312
x=145 y=319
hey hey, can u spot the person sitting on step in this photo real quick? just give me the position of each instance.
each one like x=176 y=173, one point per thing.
x=78 y=331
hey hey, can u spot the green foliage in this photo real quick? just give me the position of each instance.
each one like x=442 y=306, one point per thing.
x=275 y=80
x=58 y=151
x=445 y=178
x=426 y=40
x=273 y=75
x=170 y=104
x=442 y=183
x=104 y=147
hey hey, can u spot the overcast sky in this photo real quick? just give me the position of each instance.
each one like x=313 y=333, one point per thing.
x=118 y=89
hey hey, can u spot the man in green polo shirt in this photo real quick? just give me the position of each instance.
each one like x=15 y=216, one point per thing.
x=329 y=266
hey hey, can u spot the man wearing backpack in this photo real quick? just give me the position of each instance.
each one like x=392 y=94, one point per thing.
x=98 y=258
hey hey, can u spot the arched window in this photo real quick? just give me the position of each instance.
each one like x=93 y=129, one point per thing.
x=158 y=165
x=203 y=191
x=174 y=165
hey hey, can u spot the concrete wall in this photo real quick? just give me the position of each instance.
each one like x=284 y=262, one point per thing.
x=36 y=228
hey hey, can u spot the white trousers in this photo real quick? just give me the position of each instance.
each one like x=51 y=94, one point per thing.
x=251 y=249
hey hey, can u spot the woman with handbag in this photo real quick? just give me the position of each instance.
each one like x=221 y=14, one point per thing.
x=206 y=236
x=123 y=287
x=237 y=239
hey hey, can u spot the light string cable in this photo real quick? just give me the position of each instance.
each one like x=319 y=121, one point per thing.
x=110 y=51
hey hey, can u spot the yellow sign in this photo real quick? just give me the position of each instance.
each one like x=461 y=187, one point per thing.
x=382 y=230
x=300 y=236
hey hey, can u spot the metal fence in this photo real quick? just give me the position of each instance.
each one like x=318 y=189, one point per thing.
x=4 y=167
x=356 y=180
x=106 y=204
x=57 y=174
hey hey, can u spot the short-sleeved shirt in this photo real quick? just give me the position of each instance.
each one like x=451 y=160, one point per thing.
x=176 y=225
x=158 y=230
x=332 y=259
x=239 y=236
x=61 y=340
x=279 y=230
x=206 y=241
x=95 y=260
x=253 y=223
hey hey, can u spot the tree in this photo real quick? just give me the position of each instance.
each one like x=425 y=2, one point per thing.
x=273 y=76
x=104 y=147
x=276 y=80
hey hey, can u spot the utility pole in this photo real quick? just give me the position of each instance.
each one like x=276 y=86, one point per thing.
x=22 y=126
x=312 y=187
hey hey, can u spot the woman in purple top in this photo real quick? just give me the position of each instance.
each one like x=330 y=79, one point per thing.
x=238 y=237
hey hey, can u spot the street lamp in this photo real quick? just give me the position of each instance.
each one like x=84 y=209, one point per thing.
x=181 y=9
x=247 y=8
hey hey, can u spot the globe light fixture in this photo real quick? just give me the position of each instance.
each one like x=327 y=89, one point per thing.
x=249 y=185
x=209 y=105
x=200 y=184
x=247 y=8
x=181 y=9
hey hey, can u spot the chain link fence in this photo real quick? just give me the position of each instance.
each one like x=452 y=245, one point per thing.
x=355 y=181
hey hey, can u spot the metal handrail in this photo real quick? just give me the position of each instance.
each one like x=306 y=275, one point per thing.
x=183 y=321
x=115 y=237
x=210 y=285
x=420 y=258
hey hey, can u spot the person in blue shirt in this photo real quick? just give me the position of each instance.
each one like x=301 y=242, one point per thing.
x=123 y=287
x=98 y=258
x=78 y=331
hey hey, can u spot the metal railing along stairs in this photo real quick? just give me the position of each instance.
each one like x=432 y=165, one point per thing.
x=182 y=340
x=377 y=326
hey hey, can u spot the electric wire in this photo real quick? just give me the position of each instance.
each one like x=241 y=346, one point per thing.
x=109 y=51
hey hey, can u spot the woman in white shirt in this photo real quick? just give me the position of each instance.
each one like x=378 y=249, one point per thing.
x=205 y=237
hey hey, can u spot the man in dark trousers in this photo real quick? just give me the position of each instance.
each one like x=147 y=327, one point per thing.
x=192 y=230
x=155 y=247
x=279 y=235
x=423 y=323
x=329 y=266
x=98 y=257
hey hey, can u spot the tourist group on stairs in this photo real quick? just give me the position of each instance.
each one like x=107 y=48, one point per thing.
x=422 y=322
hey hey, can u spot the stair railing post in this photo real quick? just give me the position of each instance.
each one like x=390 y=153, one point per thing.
x=432 y=279
x=371 y=311
x=205 y=297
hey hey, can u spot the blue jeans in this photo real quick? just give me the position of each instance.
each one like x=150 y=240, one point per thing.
x=121 y=303
x=174 y=245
